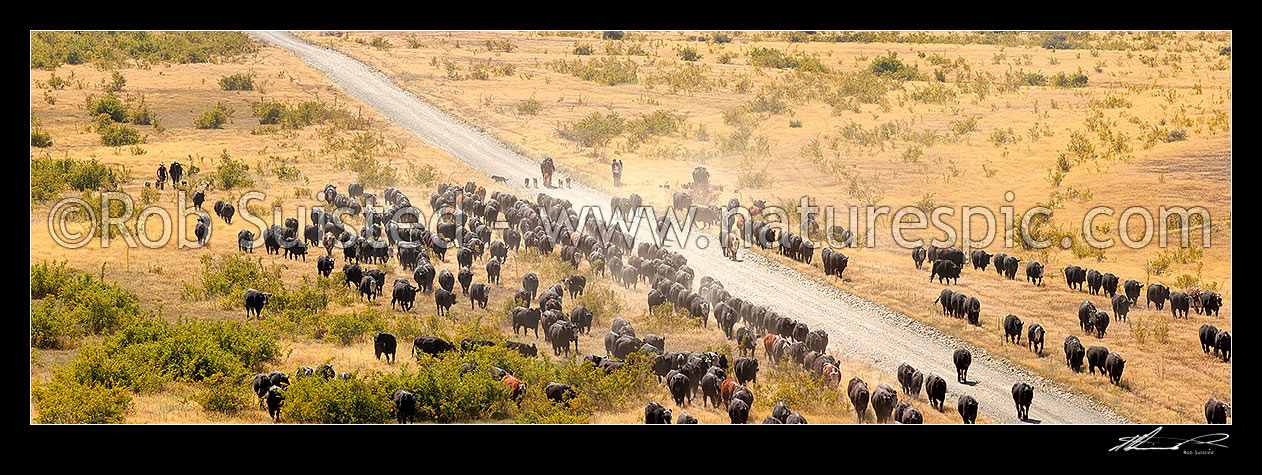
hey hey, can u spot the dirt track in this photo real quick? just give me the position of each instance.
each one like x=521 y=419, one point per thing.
x=857 y=328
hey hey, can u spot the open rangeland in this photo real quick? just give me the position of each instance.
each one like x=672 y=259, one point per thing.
x=1109 y=119
x=290 y=163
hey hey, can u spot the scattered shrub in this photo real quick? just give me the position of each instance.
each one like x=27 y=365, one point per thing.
x=214 y=118
x=237 y=82
x=118 y=135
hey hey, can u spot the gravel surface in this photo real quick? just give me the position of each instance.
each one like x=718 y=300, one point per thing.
x=857 y=328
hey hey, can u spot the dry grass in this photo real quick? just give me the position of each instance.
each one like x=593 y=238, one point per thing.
x=176 y=94
x=1183 y=79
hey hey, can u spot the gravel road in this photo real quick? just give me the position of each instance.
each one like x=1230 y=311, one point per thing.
x=857 y=328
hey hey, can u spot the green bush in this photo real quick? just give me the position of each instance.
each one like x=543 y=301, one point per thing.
x=51 y=328
x=214 y=118
x=595 y=130
x=237 y=82
x=232 y=173
x=116 y=83
x=231 y=275
x=270 y=112
x=583 y=50
x=607 y=71
x=530 y=106
x=39 y=137
x=49 y=176
x=337 y=401
x=118 y=135
x=219 y=393
x=1063 y=80
x=50 y=49
x=49 y=278
x=892 y=67
x=108 y=104
x=150 y=352
x=689 y=53
x=68 y=402
x=774 y=58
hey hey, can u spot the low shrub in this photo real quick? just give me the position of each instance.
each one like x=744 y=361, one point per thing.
x=214 y=118
x=118 y=135
x=237 y=82
x=68 y=402
x=232 y=173
x=219 y=393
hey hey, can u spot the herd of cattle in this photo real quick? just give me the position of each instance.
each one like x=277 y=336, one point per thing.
x=468 y=214
x=947 y=263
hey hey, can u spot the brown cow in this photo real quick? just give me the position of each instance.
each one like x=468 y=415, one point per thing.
x=769 y=341
x=518 y=387
x=727 y=389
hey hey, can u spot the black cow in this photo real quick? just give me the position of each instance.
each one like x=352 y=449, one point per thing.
x=654 y=413
x=1157 y=293
x=479 y=294
x=1114 y=364
x=857 y=390
x=1012 y=328
x=446 y=280
x=275 y=399
x=575 y=284
x=935 y=389
x=738 y=411
x=685 y=418
x=254 y=301
x=530 y=282
x=1179 y=304
x=1132 y=287
x=1034 y=338
x=261 y=385
x=980 y=259
x=1022 y=395
x=529 y=351
x=746 y=370
x=443 y=300
x=1073 y=353
x=1034 y=272
x=883 y=400
x=1075 y=276
x=904 y=375
x=1095 y=358
x=403 y=293
x=1121 y=307
x=1211 y=302
x=1086 y=313
x=1216 y=412
x=918 y=255
x=324 y=265
x=424 y=277
x=493 y=270
x=527 y=318
x=1010 y=266
x=562 y=393
x=945 y=270
x=1222 y=345
x=1207 y=333
x=431 y=345
x=679 y=388
x=368 y=286
x=1100 y=323
x=384 y=344
x=1094 y=281
x=1109 y=282
x=967 y=407
x=963 y=358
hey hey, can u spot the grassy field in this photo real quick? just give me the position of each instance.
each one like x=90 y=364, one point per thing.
x=289 y=164
x=1117 y=119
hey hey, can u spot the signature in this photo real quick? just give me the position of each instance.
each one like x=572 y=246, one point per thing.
x=1150 y=441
